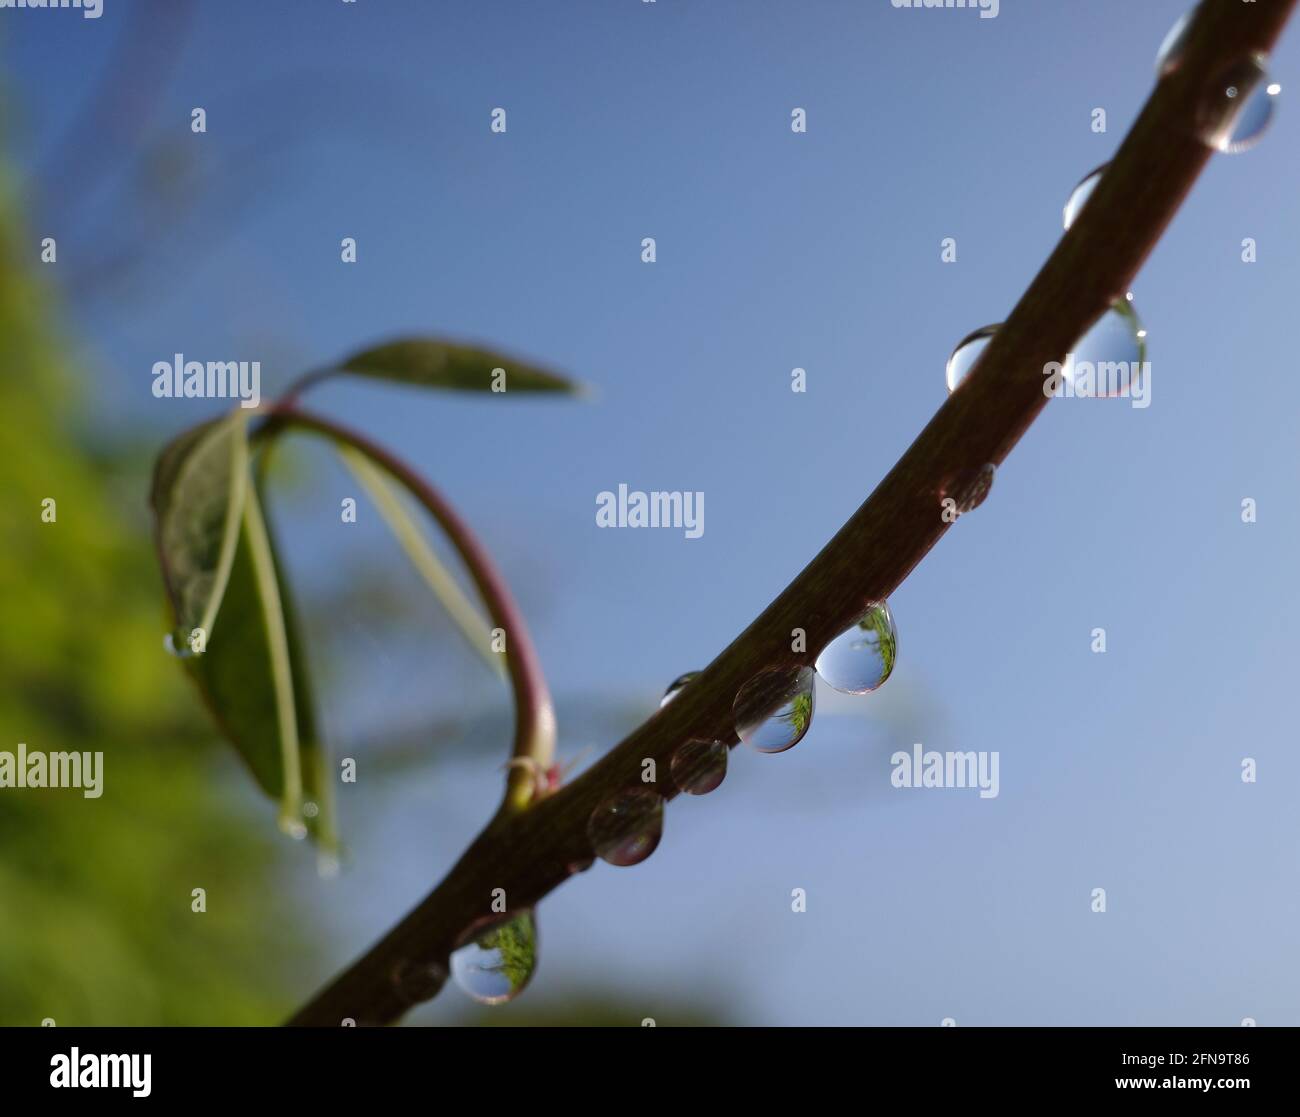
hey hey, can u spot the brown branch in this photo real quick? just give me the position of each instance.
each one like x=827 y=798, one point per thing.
x=530 y=854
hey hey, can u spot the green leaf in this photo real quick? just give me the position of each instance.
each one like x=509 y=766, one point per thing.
x=474 y=627
x=429 y=363
x=199 y=487
x=254 y=680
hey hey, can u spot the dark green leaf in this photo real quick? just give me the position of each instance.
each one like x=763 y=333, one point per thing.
x=429 y=363
x=254 y=679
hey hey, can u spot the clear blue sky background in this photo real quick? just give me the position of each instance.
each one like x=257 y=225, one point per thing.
x=776 y=250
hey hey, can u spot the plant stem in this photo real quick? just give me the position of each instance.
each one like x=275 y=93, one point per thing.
x=534 y=713
x=531 y=853
x=463 y=612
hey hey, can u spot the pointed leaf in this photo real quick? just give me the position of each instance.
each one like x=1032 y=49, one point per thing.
x=429 y=363
x=199 y=487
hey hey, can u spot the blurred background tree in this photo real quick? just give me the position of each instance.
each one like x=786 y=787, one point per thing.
x=96 y=925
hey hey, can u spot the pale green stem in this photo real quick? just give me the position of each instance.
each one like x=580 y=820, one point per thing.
x=473 y=626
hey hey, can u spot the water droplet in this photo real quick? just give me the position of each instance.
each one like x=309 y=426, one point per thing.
x=966 y=354
x=970 y=489
x=1170 y=55
x=292 y=824
x=675 y=686
x=177 y=643
x=698 y=767
x=498 y=961
x=310 y=809
x=1112 y=354
x=859 y=659
x=774 y=709
x=415 y=982
x=625 y=829
x=1238 y=106
x=1081 y=193
x=328 y=866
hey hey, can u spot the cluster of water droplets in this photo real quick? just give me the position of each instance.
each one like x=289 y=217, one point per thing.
x=773 y=710
x=1235 y=109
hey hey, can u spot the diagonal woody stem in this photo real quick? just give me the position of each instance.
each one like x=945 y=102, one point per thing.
x=1094 y=263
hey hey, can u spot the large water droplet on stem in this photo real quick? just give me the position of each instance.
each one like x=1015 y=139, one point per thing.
x=774 y=709
x=1238 y=105
x=1108 y=361
x=498 y=961
x=625 y=829
x=862 y=657
x=675 y=686
x=698 y=767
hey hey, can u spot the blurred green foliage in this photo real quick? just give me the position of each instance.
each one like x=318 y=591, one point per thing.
x=96 y=924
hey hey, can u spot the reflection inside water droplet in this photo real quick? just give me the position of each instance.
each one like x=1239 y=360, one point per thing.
x=625 y=829
x=498 y=961
x=675 y=686
x=418 y=981
x=861 y=658
x=1238 y=105
x=698 y=767
x=965 y=355
x=1081 y=193
x=774 y=709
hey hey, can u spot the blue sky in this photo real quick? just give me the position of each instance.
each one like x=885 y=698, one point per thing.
x=775 y=250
